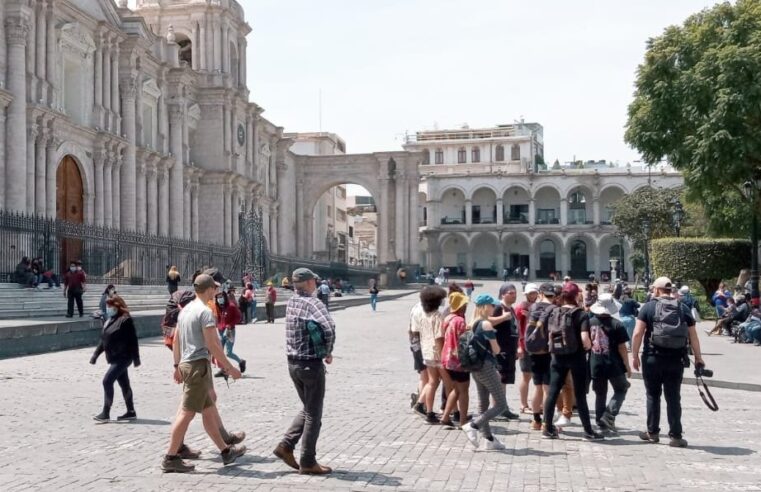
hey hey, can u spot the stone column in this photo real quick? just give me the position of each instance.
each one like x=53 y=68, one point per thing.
x=40 y=173
x=468 y=212
x=217 y=45
x=202 y=44
x=115 y=90
x=41 y=50
x=226 y=206
x=3 y=68
x=50 y=55
x=50 y=177
x=2 y=139
x=164 y=201
x=235 y=224
x=469 y=262
x=186 y=228
x=30 y=165
x=31 y=55
x=106 y=82
x=16 y=29
x=140 y=205
x=275 y=224
x=108 y=190
x=596 y=212
x=531 y=211
x=99 y=81
x=176 y=191
x=500 y=213
x=225 y=49
x=563 y=211
x=242 y=64
x=128 y=171
x=139 y=140
x=195 y=45
x=194 y=208
x=116 y=205
x=384 y=234
x=414 y=226
x=401 y=213
x=152 y=199
x=98 y=159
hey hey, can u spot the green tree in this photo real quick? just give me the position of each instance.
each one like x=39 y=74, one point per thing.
x=697 y=102
x=655 y=205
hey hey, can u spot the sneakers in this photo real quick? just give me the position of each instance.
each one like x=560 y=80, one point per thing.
x=419 y=409
x=103 y=417
x=508 y=415
x=537 y=426
x=219 y=374
x=677 y=442
x=651 y=438
x=130 y=415
x=592 y=436
x=242 y=366
x=608 y=421
x=562 y=420
x=550 y=433
x=491 y=445
x=472 y=434
x=235 y=438
x=187 y=453
x=174 y=464
x=232 y=453
x=286 y=455
x=431 y=418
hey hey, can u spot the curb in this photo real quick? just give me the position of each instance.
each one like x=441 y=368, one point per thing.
x=715 y=383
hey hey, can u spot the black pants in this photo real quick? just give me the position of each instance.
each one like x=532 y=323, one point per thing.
x=559 y=368
x=600 y=386
x=309 y=379
x=663 y=374
x=270 y=308
x=74 y=295
x=117 y=372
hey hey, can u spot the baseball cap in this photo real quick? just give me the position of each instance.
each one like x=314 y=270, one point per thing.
x=215 y=274
x=531 y=288
x=547 y=289
x=484 y=299
x=570 y=289
x=303 y=274
x=684 y=290
x=663 y=283
x=204 y=282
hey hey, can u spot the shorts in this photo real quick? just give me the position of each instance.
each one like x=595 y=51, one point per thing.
x=507 y=373
x=459 y=376
x=525 y=363
x=196 y=385
x=417 y=357
x=540 y=368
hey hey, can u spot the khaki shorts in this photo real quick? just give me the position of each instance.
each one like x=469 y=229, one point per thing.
x=197 y=383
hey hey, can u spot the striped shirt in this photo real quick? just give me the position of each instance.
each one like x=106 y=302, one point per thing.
x=301 y=308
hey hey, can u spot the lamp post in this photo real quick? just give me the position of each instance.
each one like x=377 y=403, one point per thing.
x=646 y=230
x=678 y=216
x=751 y=189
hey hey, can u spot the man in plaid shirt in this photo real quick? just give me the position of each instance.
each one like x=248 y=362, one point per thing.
x=307 y=371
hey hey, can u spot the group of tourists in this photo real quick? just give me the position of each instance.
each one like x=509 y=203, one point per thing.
x=561 y=341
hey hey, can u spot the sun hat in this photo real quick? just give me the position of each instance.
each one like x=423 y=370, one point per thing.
x=483 y=299
x=605 y=304
x=456 y=301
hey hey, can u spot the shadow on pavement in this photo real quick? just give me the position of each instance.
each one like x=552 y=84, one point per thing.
x=723 y=451
x=530 y=452
x=370 y=478
x=151 y=422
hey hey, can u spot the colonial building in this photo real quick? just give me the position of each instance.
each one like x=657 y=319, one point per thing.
x=138 y=120
x=489 y=202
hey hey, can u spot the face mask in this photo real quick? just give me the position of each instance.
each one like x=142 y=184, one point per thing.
x=221 y=302
x=111 y=311
x=73 y=269
x=112 y=292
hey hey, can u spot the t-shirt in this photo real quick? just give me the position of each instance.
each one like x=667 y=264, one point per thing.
x=453 y=326
x=629 y=307
x=522 y=313
x=507 y=330
x=193 y=319
x=612 y=364
x=429 y=326
x=647 y=314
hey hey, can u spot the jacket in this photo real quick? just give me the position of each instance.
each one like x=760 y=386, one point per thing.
x=119 y=341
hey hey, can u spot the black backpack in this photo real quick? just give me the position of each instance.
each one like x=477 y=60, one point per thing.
x=561 y=332
x=471 y=349
x=669 y=329
x=536 y=339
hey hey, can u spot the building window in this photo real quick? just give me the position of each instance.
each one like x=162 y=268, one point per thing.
x=546 y=216
x=426 y=157
x=475 y=155
x=518 y=214
x=330 y=211
x=340 y=192
x=439 y=156
x=500 y=153
x=515 y=152
x=462 y=155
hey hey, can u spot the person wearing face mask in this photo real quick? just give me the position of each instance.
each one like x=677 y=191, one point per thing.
x=119 y=341
x=73 y=287
x=107 y=294
x=228 y=315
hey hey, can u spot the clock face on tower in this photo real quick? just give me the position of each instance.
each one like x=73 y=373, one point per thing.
x=241 y=134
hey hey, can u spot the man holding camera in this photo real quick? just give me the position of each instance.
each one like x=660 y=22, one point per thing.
x=666 y=325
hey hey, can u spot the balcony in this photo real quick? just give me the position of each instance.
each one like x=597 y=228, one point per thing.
x=452 y=221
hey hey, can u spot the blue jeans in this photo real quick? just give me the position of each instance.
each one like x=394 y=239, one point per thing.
x=227 y=337
x=753 y=331
x=629 y=322
x=251 y=308
x=373 y=300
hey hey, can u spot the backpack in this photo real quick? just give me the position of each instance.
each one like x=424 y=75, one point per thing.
x=536 y=340
x=561 y=332
x=471 y=349
x=600 y=338
x=669 y=329
x=172 y=312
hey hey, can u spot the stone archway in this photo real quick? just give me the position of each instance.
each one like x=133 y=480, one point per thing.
x=391 y=178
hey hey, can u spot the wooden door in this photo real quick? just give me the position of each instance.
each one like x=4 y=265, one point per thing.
x=69 y=207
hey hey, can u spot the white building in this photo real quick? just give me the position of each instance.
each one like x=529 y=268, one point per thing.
x=488 y=202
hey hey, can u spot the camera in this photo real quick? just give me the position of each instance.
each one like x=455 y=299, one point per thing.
x=701 y=371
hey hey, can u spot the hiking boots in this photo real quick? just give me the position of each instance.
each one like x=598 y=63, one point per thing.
x=174 y=464
x=232 y=453
x=608 y=421
x=187 y=453
x=651 y=438
x=677 y=442
x=316 y=469
x=235 y=438
x=286 y=455
x=130 y=415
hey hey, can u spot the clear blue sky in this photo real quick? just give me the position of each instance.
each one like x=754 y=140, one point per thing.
x=390 y=66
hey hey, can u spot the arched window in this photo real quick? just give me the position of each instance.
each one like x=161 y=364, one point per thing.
x=426 y=157
x=515 y=152
x=475 y=154
x=439 y=156
x=462 y=155
x=577 y=208
x=546 y=257
x=579 y=258
x=500 y=153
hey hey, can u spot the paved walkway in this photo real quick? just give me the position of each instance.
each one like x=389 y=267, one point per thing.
x=50 y=442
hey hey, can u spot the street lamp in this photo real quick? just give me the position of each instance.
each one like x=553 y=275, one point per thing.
x=646 y=230
x=751 y=188
x=678 y=216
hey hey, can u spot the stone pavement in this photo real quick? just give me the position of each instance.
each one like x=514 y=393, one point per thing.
x=50 y=442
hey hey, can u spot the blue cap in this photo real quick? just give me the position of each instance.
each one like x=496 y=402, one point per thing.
x=483 y=299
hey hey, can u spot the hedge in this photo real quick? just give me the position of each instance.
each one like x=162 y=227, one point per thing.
x=707 y=261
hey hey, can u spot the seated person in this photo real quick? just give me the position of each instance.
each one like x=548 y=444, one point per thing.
x=738 y=311
x=23 y=274
x=721 y=299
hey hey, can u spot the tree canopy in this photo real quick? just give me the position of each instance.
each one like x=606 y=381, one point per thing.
x=697 y=100
x=655 y=205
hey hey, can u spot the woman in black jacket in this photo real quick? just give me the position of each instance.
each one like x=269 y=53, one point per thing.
x=119 y=341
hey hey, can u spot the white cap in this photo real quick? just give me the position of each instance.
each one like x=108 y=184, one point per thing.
x=684 y=290
x=531 y=288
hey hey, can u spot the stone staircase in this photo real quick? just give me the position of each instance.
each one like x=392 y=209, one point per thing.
x=17 y=302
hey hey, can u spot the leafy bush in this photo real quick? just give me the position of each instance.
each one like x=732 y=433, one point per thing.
x=707 y=261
